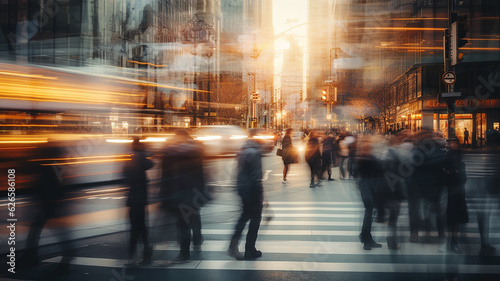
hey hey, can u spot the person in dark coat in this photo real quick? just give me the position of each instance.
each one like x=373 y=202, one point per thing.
x=457 y=213
x=137 y=200
x=48 y=192
x=370 y=179
x=313 y=158
x=327 y=157
x=466 y=137
x=394 y=188
x=288 y=156
x=183 y=189
x=250 y=189
x=428 y=178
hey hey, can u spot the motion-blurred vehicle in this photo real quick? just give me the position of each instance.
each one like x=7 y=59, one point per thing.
x=267 y=139
x=221 y=139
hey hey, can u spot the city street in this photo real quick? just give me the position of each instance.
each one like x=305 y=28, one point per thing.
x=312 y=234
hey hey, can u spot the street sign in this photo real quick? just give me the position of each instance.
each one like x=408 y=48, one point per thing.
x=449 y=78
x=451 y=95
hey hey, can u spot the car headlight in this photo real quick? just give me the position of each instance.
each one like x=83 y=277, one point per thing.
x=238 y=137
x=208 y=138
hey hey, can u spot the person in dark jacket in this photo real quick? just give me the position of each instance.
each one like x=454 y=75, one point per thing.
x=249 y=186
x=313 y=158
x=183 y=189
x=288 y=156
x=48 y=192
x=457 y=206
x=327 y=157
x=135 y=178
x=371 y=178
x=428 y=179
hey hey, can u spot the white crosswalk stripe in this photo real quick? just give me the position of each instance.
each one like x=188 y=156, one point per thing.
x=311 y=234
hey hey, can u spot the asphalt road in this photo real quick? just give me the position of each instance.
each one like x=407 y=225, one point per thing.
x=312 y=234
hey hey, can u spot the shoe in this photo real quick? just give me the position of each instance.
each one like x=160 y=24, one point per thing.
x=330 y=179
x=312 y=185
x=181 y=259
x=132 y=262
x=284 y=182
x=366 y=246
x=235 y=253
x=391 y=244
x=250 y=255
x=373 y=244
x=196 y=248
x=487 y=250
x=414 y=238
x=454 y=248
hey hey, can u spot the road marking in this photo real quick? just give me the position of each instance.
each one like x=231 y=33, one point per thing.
x=266 y=175
x=313 y=233
x=306 y=266
x=106 y=190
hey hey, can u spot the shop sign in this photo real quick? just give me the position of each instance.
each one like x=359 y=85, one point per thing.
x=467 y=103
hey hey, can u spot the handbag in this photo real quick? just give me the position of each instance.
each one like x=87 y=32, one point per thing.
x=279 y=152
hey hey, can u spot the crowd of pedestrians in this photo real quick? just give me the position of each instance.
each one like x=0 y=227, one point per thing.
x=422 y=168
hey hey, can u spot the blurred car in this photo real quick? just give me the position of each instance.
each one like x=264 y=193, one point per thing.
x=221 y=139
x=267 y=139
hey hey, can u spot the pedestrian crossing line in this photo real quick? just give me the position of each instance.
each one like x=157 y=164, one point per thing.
x=313 y=233
x=327 y=247
x=344 y=209
x=297 y=266
x=401 y=223
x=345 y=216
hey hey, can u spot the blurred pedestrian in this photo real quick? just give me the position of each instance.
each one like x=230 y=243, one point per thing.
x=456 y=178
x=183 y=190
x=428 y=178
x=344 y=154
x=466 y=137
x=48 y=194
x=250 y=189
x=396 y=191
x=327 y=156
x=135 y=177
x=313 y=158
x=351 y=158
x=370 y=178
x=289 y=155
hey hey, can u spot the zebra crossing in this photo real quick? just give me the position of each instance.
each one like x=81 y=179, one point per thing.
x=314 y=237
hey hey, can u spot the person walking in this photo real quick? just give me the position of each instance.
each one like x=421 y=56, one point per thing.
x=183 y=190
x=428 y=178
x=313 y=158
x=327 y=157
x=456 y=178
x=251 y=192
x=466 y=137
x=134 y=173
x=371 y=178
x=48 y=202
x=343 y=154
x=288 y=155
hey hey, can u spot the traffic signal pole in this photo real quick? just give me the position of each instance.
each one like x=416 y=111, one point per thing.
x=447 y=67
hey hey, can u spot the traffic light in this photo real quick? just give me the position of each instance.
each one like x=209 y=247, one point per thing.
x=463 y=28
x=301 y=96
x=459 y=29
x=323 y=95
x=255 y=97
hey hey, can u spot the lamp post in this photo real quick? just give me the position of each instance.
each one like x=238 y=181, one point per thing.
x=196 y=31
